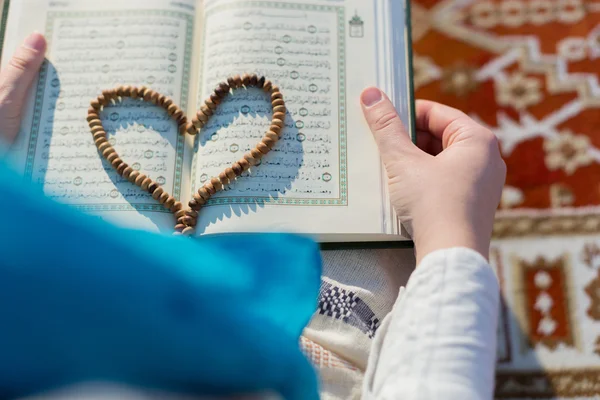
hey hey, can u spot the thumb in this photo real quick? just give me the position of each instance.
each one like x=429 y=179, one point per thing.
x=388 y=129
x=15 y=82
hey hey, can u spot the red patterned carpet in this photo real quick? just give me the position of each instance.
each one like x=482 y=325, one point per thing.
x=528 y=69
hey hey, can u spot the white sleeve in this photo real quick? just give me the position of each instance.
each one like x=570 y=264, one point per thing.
x=439 y=341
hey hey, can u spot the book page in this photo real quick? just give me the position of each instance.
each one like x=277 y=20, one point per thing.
x=324 y=176
x=94 y=46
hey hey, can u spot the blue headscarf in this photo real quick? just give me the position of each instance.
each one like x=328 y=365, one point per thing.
x=82 y=300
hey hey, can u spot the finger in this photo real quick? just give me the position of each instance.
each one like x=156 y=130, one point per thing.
x=15 y=82
x=446 y=123
x=391 y=135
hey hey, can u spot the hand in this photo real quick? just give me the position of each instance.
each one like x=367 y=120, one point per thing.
x=15 y=82
x=448 y=187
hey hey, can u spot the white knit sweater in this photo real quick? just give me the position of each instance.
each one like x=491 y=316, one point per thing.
x=439 y=341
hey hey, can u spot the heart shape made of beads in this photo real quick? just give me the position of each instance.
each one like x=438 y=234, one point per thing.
x=187 y=217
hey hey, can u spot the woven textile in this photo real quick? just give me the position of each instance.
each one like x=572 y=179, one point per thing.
x=528 y=70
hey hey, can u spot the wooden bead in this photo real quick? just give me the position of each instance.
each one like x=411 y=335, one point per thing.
x=180 y=227
x=202 y=117
x=176 y=206
x=102 y=100
x=246 y=79
x=94 y=122
x=237 y=80
x=179 y=116
x=278 y=116
x=120 y=90
x=187 y=231
x=210 y=188
x=108 y=95
x=140 y=179
x=217 y=184
x=253 y=79
x=157 y=193
x=279 y=109
x=277 y=122
x=245 y=164
x=152 y=187
x=269 y=142
x=276 y=94
x=179 y=214
x=163 y=197
x=127 y=91
x=133 y=176
x=230 y=82
x=272 y=136
x=97 y=135
x=222 y=89
x=121 y=168
x=134 y=92
x=172 y=109
x=261 y=82
x=92 y=115
x=257 y=154
x=192 y=213
x=95 y=104
x=203 y=192
x=223 y=178
x=250 y=159
x=116 y=163
x=263 y=148
x=193 y=204
x=237 y=168
x=267 y=86
x=276 y=128
x=215 y=99
x=108 y=151
x=112 y=157
x=103 y=146
x=277 y=102
x=189 y=221
x=197 y=123
x=97 y=129
x=142 y=91
x=100 y=140
x=148 y=95
x=127 y=172
x=191 y=129
x=167 y=103
x=210 y=104
x=207 y=111
x=146 y=183
x=161 y=100
x=230 y=173
x=198 y=199
x=155 y=98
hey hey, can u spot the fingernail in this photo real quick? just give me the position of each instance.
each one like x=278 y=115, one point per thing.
x=35 y=41
x=371 y=96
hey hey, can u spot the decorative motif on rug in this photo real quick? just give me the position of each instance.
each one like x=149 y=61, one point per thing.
x=545 y=310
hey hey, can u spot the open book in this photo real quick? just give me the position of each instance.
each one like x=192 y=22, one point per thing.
x=323 y=178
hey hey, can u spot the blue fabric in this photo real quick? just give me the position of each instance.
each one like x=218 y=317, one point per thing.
x=82 y=300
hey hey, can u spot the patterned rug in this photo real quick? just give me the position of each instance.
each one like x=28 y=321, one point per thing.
x=528 y=70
